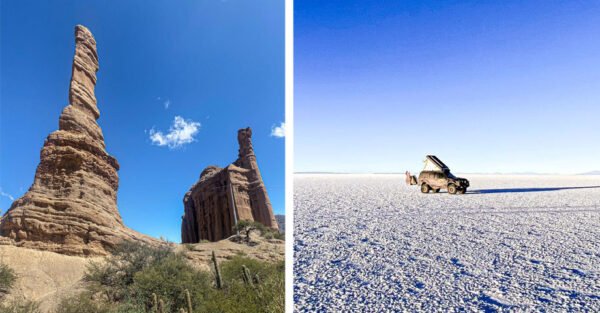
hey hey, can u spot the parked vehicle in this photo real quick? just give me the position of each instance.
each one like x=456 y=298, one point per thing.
x=436 y=176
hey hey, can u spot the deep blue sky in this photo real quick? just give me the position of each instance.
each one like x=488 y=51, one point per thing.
x=218 y=63
x=488 y=86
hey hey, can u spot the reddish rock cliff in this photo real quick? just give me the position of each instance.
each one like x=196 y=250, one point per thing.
x=223 y=196
x=71 y=208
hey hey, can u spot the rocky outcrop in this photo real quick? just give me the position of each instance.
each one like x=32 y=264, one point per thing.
x=71 y=208
x=223 y=196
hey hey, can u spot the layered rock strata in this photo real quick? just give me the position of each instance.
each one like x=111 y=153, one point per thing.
x=224 y=196
x=71 y=208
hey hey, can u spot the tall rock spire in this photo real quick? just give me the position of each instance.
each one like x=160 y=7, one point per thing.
x=83 y=77
x=262 y=210
x=224 y=196
x=71 y=207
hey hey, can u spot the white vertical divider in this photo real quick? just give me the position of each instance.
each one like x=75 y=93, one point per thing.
x=289 y=155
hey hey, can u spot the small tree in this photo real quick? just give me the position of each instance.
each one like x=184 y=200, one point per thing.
x=247 y=227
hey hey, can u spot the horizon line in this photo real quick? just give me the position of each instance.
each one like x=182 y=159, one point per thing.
x=591 y=173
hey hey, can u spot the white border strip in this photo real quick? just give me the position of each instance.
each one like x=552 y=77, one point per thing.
x=289 y=155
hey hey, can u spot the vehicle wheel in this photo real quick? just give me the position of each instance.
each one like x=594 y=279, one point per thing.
x=436 y=190
x=462 y=191
x=452 y=189
x=425 y=188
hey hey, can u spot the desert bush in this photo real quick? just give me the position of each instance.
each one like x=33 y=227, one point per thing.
x=169 y=279
x=278 y=235
x=231 y=269
x=273 y=234
x=129 y=281
x=82 y=303
x=266 y=293
x=114 y=276
x=130 y=307
x=85 y=303
x=20 y=306
x=7 y=279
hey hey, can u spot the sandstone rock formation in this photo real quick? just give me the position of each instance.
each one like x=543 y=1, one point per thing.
x=71 y=208
x=224 y=196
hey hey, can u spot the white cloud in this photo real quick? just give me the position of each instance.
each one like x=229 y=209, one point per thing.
x=4 y=194
x=278 y=131
x=180 y=133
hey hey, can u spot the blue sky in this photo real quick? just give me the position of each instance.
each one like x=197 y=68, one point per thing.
x=219 y=65
x=488 y=86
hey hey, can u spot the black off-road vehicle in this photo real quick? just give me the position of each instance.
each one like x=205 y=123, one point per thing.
x=436 y=176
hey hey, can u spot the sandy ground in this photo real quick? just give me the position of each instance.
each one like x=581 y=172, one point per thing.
x=512 y=243
x=43 y=276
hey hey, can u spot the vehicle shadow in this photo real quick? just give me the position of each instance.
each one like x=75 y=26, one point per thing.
x=511 y=190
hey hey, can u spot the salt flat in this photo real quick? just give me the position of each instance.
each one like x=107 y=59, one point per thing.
x=512 y=243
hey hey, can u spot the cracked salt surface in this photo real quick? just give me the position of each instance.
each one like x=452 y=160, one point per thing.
x=512 y=243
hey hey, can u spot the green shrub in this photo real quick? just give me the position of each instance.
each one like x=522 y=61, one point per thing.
x=127 y=281
x=265 y=295
x=20 y=306
x=114 y=276
x=272 y=234
x=232 y=268
x=169 y=279
x=7 y=278
x=130 y=307
x=278 y=235
x=82 y=303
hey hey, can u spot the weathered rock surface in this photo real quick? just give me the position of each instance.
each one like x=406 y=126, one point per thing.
x=224 y=196
x=71 y=208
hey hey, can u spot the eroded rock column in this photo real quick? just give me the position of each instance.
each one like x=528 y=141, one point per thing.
x=71 y=207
